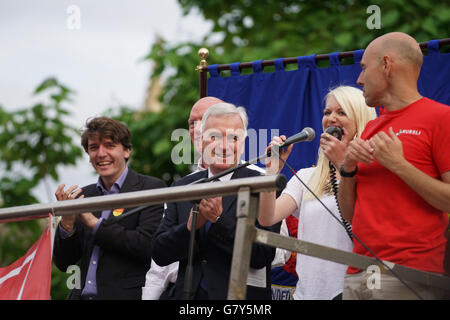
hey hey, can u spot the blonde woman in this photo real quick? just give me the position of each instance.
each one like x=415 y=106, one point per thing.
x=319 y=279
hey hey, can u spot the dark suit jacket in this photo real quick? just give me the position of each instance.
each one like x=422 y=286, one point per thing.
x=125 y=244
x=213 y=250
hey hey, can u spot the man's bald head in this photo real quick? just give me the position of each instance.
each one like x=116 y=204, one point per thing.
x=196 y=115
x=390 y=69
x=400 y=46
x=202 y=105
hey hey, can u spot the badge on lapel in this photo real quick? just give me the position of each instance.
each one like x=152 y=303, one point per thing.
x=118 y=212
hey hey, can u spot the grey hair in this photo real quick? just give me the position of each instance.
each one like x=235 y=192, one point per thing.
x=226 y=109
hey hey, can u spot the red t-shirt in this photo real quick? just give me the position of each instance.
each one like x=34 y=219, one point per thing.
x=391 y=218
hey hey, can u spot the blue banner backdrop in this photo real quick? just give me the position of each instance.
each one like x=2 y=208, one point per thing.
x=291 y=100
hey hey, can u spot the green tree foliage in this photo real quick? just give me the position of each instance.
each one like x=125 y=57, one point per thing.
x=37 y=138
x=248 y=30
x=151 y=140
x=268 y=29
x=152 y=132
x=37 y=141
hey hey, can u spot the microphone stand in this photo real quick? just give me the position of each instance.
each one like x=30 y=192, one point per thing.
x=188 y=278
x=188 y=292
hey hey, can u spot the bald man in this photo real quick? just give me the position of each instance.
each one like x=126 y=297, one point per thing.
x=395 y=186
x=195 y=120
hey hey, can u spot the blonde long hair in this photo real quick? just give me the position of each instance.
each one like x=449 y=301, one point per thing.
x=352 y=102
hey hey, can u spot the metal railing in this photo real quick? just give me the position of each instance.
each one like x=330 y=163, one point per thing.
x=247 y=190
x=246 y=233
x=142 y=198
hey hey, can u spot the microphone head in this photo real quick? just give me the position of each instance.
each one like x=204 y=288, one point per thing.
x=311 y=134
x=335 y=132
x=307 y=134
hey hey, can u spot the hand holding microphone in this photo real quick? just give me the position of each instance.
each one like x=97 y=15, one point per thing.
x=273 y=151
x=277 y=147
x=333 y=143
x=307 y=134
x=335 y=132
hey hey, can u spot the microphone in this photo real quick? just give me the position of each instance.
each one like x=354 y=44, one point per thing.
x=307 y=134
x=335 y=132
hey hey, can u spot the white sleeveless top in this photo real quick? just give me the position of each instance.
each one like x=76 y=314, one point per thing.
x=318 y=278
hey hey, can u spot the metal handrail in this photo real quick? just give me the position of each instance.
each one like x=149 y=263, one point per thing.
x=247 y=189
x=349 y=258
x=143 y=198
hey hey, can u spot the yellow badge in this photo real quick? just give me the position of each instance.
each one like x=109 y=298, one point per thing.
x=118 y=212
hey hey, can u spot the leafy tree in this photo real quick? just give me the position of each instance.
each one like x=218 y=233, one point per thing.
x=248 y=30
x=267 y=29
x=35 y=140
x=152 y=132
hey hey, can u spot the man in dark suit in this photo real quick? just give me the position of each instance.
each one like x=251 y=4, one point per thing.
x=223 y=134
x=114 y=252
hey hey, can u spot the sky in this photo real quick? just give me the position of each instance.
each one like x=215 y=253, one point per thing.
x=95 y=47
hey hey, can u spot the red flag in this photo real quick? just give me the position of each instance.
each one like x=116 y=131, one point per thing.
x=29 y=278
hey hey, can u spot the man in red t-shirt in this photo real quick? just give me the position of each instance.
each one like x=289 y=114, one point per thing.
x=395 y=186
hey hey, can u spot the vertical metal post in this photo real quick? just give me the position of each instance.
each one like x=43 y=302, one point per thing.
x=203 y=84
x=246 y=213
x=203 y=53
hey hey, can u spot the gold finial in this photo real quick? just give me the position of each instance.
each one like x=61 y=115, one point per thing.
x=203 y=53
